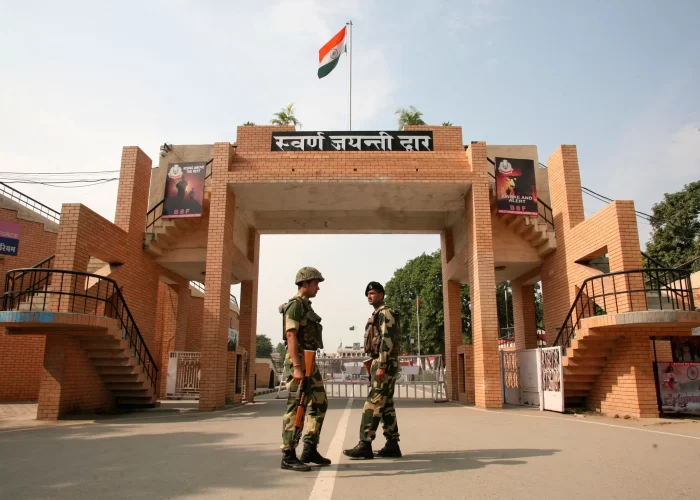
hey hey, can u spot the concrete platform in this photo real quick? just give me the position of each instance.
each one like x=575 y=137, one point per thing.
x=450 y=451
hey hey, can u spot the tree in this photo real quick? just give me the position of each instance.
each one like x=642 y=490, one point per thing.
x=263 y=347
x=422 y=277
x=539 y=307
x=675 y=226
x=281 y=350
x=446 y=124
x=248 y=124
x=286 y=117
x=410 y=116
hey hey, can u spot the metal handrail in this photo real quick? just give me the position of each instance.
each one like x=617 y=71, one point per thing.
x=588 y=302
x=30 y=203
x=546 y=211
x=153 y=212
x=200 y=286
x=87 y=303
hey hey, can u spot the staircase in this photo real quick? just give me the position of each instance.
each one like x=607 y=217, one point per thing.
x=586 y=351
x=582 y=364
x=118 y=352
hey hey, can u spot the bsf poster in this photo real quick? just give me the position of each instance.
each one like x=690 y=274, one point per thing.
x=679 y=387
x=515 y=186
x=9 y=237
x=184 y=189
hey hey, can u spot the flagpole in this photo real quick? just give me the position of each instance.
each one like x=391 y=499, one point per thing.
x=350 y=57
x=418 y=322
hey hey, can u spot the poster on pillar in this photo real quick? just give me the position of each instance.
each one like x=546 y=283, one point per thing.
x=184 y=189
x=515 y=186
x=679 y=387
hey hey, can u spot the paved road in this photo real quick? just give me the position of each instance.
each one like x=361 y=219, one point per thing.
x=451 y=451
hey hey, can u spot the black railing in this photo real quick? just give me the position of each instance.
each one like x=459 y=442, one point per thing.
x=627 y=291
x=543 y=210
x=200 y=286
x=30 y=203
x=37 y=282
x=64 y=291
x=155 y=213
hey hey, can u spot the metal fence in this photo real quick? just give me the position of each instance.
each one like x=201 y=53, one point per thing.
x=420 y=377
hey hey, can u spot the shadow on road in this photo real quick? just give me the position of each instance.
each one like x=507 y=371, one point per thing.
x=439 y=461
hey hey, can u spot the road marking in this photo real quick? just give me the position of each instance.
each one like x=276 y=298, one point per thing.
x=325 y=481
x=579 y=421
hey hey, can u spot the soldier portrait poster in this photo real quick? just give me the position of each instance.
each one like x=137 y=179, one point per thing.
x=184 y=189
x=9 y=237
x=679 y=387
x=515 y=186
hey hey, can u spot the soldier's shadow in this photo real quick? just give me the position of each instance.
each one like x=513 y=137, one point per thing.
x=438 y=461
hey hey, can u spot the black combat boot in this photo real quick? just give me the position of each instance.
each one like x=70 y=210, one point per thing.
x=291 y=462
x=391 y=450
x=310 y=455
x=362 y=450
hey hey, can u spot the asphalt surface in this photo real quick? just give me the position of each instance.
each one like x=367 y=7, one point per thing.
x=450 y=451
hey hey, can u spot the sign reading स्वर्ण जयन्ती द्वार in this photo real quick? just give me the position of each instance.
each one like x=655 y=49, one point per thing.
x=413 y=141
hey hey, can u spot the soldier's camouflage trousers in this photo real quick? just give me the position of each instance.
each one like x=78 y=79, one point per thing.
x=379 y=405
x=317 y=404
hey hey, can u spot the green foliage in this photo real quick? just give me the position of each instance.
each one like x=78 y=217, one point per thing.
x=676 y=228
x=422 y=276
x=286 y=117
x=248 y=124
x=281 y=350
x=446 y=124
x=410 y=116
x=263 y=347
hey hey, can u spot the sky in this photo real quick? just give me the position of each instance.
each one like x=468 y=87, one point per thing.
x=80 y=80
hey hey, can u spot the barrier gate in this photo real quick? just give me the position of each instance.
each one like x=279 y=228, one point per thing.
x=420 y=377
x=533 y=377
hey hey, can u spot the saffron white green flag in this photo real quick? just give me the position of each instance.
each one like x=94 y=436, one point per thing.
x=330 y=53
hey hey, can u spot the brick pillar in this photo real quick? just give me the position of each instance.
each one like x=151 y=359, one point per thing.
x=565 y=188
x=132 y=197
x=452 y=304
x=524 y=318
x=183 y=308
x=220 y=252
x=249 y=312
x=482 y=286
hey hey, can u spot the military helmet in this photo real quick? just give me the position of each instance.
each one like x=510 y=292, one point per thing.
x=308 y=273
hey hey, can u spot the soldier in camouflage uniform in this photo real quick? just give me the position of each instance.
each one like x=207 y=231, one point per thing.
x=302 y=331
x=382 y=343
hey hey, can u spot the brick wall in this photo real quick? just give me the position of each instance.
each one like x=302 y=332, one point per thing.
x=612 y=230
x=262 y=374
x=70 y=381
x=194 y=324
x=626 y=386
x=466 y=369
x=21 y=357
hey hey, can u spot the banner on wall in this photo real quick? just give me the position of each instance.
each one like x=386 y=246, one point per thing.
x=184 y=189
x=9 y=237
x=515 y=186
x=679 y=387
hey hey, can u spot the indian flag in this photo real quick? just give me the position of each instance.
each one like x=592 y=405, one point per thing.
x=330 y=53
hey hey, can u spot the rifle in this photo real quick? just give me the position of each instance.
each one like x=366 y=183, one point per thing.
x=304 y=386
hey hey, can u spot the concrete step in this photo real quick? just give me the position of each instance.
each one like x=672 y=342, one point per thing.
x=134 y=378
x=126 y=386
x=105 y=353
x=576 y=386
x=138 y=393
x=119 y=370
x=113 y=362
x=141 y=402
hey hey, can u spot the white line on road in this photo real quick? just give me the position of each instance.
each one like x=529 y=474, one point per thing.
x=325 y=481
x=578 y=421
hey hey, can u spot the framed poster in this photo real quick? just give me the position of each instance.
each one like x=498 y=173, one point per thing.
x=184 y=189
x=515 y=186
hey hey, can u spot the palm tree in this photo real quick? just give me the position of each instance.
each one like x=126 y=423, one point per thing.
x=446 y=124
x=286 y=117
x=410 y=116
